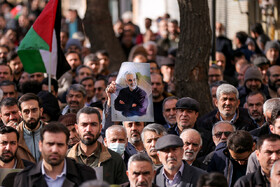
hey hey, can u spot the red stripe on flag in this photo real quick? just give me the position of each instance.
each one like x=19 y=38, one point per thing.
x=44 y=24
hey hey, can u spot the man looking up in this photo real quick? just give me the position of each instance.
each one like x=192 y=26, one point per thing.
x=29 y=129
x=55 y=169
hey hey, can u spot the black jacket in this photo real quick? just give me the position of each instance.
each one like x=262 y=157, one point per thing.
x=255 y=179
x=76 y=174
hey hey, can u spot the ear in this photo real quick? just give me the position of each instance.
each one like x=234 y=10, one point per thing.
x=257 y=153
x=41 y=111
x=100 y=128
x=238 y=103
x=40 y=146
x=105 y=141
x=20 y=114
x=76 y=127
x=271 y=128
x=126 y=173
x=216 y=102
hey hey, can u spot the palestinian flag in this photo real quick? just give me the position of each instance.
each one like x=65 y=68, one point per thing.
x=40 y=49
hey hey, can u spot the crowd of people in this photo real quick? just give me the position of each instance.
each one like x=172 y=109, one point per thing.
x=67 y=137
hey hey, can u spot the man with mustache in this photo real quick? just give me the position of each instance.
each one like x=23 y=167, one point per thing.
x=192 y=144
x=140 y=171
x=255 y=101
x=9 y=112
x=132 y=100
x=169 y=111
x=133 y=131
x=268 y=152
x=273 y=79
x=29 y=129
x=170 y=152
x=92 y=153
x=9 y=158
x=75 y=98
x=150 y=134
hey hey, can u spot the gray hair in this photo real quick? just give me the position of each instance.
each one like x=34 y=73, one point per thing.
x=95 y=183
x=129 y=73
x=222 y=122
x=77 y=88
x=167 y=99
x=191 y=130
x=226 y=89
x=154 y=127
x=140 y=157
x=270 y=104
x=115 y=128
x=273 y=166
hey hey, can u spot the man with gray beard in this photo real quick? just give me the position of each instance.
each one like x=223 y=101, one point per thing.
x=192 y=144
x=132 y=100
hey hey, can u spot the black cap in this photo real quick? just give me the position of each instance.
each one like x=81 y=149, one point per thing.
x=169 y=140
x=188 y=103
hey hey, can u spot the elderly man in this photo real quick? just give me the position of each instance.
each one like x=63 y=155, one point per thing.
x=140 y=171
x=169 y=111
x=227 y=104
x=220 y=133
x=232 y=160
x=192 y=145
x=254 y=102
x=116 y=140
x=132 y=100
x=252 y=82
x=83 y=71
x=55 y=169
x=150 y=134
x=5 y=73
x=273 y=80
x=91 y=152
x=9 y=112
x=268 y=152
x=75 y=98
x=170 y=153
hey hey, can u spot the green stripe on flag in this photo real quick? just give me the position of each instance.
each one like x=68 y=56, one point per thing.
x=33 y=41
x=32 y=61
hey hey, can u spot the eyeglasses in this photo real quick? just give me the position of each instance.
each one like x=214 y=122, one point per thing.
x=219 y=134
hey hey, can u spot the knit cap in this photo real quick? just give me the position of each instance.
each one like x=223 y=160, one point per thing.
x=272 y=44
x=253 y=73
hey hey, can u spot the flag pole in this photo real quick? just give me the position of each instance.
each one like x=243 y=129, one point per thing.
x=49 y=74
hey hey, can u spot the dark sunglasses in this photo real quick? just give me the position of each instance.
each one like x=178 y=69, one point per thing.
x=219 y=134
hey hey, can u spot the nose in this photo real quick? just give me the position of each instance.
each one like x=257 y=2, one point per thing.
x=8 y=146
x=223 y=137
x=141 y=178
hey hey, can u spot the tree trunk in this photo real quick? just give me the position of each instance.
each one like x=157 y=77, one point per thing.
x=99 y=29
x=192 y=64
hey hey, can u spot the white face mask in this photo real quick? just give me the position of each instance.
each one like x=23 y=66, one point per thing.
x=117 y=147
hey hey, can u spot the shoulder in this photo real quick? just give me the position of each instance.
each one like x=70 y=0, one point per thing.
x=245 y=180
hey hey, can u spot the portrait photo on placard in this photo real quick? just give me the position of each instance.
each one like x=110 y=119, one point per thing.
x=132 y=100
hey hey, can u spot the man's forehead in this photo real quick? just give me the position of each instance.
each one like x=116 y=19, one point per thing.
x=223 y=126
x=12 y=136
x=84 y=118
x=73 y=92
x=229 y=95
x=191 y=137
x=170 y=103
x=151 y=134
x=271 y=145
